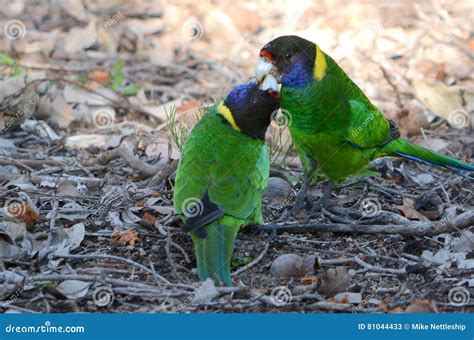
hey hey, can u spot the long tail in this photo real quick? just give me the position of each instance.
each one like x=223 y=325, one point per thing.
x=402 y=148
x=214 y=251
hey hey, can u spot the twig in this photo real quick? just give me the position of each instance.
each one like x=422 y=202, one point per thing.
x=164 y=172
x=415 y=228
x=125 y=151
x=116 y=258
x=89 y=278
x=168 y=255
x=21 y=309
x=91 y=182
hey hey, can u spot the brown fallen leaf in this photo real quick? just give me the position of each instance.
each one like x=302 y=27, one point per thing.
x=335 y=280
x=387 y=309
x=149 y=218
x=309 y=280
x=129 y=237
x=410 y=212
x=188 y=106
x=99 y=76
x=30 y=216
x=420 y=306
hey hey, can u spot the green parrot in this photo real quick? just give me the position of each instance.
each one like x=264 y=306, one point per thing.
x=222 y=173
x=334 y=126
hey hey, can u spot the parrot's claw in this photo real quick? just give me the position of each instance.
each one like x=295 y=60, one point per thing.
x=300 y=198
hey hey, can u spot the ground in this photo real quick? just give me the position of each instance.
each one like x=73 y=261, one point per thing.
x=97 y=100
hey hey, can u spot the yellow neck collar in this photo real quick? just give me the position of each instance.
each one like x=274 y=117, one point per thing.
x=320 y=64
x=225 y=112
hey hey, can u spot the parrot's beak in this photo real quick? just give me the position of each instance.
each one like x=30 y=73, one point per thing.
x=265 y=66
x=270 y=84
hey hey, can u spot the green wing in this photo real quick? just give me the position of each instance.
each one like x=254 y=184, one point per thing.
x=231 y=167
x=368 y=128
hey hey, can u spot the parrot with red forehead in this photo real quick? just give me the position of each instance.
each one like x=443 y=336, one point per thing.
x=334 y=126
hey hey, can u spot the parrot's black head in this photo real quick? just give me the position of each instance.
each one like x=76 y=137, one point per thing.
x=292 y=58
x=251 y=106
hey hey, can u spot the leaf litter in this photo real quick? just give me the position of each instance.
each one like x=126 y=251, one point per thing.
x=97 y=101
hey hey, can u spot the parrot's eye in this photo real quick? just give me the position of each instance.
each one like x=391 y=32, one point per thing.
x=288 y=55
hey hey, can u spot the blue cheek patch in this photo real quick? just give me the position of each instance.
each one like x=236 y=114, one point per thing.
x=297 y=76
x=238 y=97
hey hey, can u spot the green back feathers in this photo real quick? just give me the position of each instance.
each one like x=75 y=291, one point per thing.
x=231 y=167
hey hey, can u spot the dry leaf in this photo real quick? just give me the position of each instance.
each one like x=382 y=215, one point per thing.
x=73 y=289
x=99 y=76
x=335 y=280
x=420 y=306
x=149 y=218
x=129 y=237
x=410 y=212
x=444 y=101
x=309 y=280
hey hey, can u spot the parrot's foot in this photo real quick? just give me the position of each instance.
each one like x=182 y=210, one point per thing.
x=321 y=202
x=300 y=198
